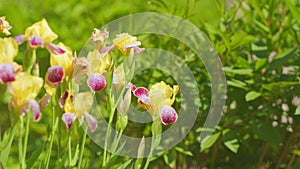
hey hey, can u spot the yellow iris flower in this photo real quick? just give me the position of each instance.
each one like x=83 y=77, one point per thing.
x=65 y=60
x=98 y=62
x=25 y=88
x=77 y=107
x=162 y=94
x=122 y=40
x=42 y=30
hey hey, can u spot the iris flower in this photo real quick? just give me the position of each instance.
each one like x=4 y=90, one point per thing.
x=77 y=107
x=124 y=42
x=158 y=100
x=40 y=35
x=4 y=26
x=98 y=63
x=8 y=51
x=24 y=90
x=61 y=66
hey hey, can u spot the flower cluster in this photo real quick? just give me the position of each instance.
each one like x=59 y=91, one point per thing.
x=23 y=86
x=65 y=68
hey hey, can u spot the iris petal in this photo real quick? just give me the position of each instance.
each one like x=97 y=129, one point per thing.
x=35 y=108
x=68 y=119
x=91 y=121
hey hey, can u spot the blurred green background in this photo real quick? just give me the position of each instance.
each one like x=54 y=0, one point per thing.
x=258 y=44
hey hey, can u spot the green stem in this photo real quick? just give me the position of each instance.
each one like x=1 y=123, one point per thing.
x=54 y=128
x=25 y=141
x=69 y=148
x=150 y=153
x=82 y=149
x=30 y=59
x=112 y=112
x=21 y=140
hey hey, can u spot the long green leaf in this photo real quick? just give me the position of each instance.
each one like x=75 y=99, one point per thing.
x=4 y=153
x=294 y=10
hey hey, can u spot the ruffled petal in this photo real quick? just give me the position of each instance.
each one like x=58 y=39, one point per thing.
x=68 y=119
x=91 y=121
x=168 y=115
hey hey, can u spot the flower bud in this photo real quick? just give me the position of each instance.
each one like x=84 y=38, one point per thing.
x=55 y=74
x=168 y=115
x=96 y=82
x=6 y=73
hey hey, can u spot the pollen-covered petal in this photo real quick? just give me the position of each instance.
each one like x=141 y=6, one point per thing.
x=36 y=41
x=68 y=118
x=6 y=73
x=55 y=74
x=91 y=121
x=35 y=109
x=20 y=39
x=168 y=115
x=52 y=48
x=96 y=82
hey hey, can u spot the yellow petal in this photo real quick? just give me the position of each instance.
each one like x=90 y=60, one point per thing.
x=8 y=50
x=98 y=62
x=82 y=103
x=119 y=76
x=157 y=99
x=69 y=105
x=170 y=101
x=169 y=93
x=41 y=29
x=122 y=40
x=65 y=60
x=25 y=87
